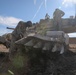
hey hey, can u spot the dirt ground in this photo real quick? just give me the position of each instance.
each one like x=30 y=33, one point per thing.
x=3 y=48
x=66 y=60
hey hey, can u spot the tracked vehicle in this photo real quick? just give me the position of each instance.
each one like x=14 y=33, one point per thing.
x=45 y=49
x=43 y=35
x=48 y=50
x=52 y=40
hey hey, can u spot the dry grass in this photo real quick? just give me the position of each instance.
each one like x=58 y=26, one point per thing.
x=72 y=47
x=3 y=48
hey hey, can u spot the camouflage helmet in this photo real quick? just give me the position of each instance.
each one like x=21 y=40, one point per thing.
x=29 y=23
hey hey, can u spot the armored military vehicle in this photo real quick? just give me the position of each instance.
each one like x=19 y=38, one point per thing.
x=48 y=50
x=50 y=40
x=45 y=48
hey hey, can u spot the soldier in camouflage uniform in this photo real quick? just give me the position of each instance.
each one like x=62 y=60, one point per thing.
x=5 y=39
x=18 y=33
x=57 y=19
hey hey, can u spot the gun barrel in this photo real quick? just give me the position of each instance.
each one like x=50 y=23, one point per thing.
x=10 y=28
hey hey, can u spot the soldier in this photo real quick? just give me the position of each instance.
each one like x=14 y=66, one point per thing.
x=47 y=16
x=18 y=33
x=57 y=19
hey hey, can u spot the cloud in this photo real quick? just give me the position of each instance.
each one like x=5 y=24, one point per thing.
x=5 y=20
x=67 y=3
x=45 y=3
x=3 y=31
x=60 y=7
x=34 y=1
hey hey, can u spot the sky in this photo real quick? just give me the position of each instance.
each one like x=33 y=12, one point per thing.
x=13 y=11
